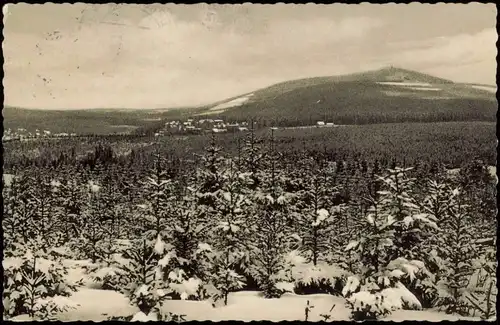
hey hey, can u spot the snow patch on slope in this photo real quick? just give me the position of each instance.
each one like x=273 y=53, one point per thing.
x=232 y=103
x=405 y=87
x=404 y=84
x=424 y=88
x=492 y=89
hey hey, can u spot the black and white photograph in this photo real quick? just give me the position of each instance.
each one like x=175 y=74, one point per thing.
x=249 y=162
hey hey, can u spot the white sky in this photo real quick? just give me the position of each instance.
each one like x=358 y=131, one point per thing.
x=147 y=56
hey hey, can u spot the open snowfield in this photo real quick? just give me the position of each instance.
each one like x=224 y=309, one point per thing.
x=98 y=305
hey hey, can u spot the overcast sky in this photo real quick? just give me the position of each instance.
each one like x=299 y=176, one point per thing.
x=147 y=56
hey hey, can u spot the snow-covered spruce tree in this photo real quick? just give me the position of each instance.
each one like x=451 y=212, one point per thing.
x=252 y=158
x=251 y=173
x=479 y=192
x=91 y=230
x=321 y=276
x=158 y=196
x=139 y=275
x=482 y=287
x=371 y=253
x=377 y=289
x=69 y=206
x=35 y=286
x=438 y=201
x=148 y=278
x=110 y=221
x=270 y=238
x=312 y=217
x=316 y=229
x=394 y=224
x=415 y=229
x=411 y=225
x=457 y=252
x=19 y=210
x=435 y=203
x=191 y=255
x=209 y=174
x=10 y=195
x=44 y=192
x=128 y=204
x=345 y=227
x=230 y=234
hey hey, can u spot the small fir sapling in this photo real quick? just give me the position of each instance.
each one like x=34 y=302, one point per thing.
x=44 y=193
x=344 y=228
x=70 y=207
x=188 y=235
x=482 y=287
x=457 y=253
x=141 y=278
x=252 y=175
x=19 y=210
x=159 y=198
x=311 y=217
x=271 y=238
x=381 y=285
x=253 y=157
x=11 y=236
x=411 y=225
x=91 y=233
x=209 y=174
x=436 y=203
x=114 y=210
x=35 y=286
x=229 y=235
x=479 y=191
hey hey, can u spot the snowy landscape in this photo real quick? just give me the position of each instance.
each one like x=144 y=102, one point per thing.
x=253 y=238
x=349 y=197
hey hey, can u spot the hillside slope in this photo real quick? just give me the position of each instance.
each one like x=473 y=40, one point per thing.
x=381 y=96
x=87 y=121
x=385 y=95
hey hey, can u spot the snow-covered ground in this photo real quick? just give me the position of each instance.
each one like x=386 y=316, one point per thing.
x=405 y=84
x=491 y=169
x=492 y=89
x=420 y=86
x=98 y=305
x=232 y=103
x=250 y=305
x=7 y=179
x=424 y=88
x=93 y=304
x=125 y=126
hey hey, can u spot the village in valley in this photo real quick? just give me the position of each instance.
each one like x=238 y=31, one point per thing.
x=176 y=127
x=22 y=134
x=192 y=126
